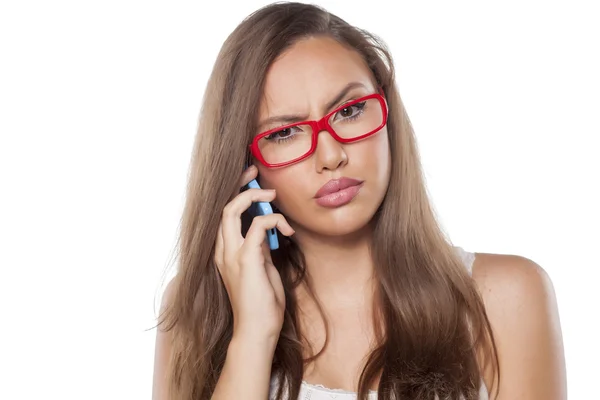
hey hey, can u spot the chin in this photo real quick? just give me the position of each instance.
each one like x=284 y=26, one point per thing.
x=342 y=221
x=340 y=230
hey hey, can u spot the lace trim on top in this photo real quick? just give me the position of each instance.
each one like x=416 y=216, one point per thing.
x=329 y=390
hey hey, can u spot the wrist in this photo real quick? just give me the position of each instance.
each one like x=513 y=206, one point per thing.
x=252 y=345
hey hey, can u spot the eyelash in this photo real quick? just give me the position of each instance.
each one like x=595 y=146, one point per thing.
x=361 y=108
x=359 y=105
x=271 y=137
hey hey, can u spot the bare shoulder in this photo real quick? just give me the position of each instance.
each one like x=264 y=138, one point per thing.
x=168 y=295
x=521 y=305
x=506 y=275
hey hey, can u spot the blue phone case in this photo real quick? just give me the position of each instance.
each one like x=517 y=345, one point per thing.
x=263 y=208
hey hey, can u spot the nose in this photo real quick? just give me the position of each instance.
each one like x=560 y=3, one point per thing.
x=329 y=154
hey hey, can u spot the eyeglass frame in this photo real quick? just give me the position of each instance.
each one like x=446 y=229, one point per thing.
x=317 y=127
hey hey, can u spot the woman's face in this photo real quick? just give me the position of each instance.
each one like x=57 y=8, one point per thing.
x=302 y=81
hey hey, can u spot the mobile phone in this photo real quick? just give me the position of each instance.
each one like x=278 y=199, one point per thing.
x=263 y=208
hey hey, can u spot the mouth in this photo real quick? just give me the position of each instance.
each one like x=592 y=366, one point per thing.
x=338 y=192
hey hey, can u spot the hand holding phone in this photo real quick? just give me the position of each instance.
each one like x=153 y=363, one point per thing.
x=252 y=281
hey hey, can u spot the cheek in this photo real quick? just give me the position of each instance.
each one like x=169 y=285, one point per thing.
x=378 y=166
x=290 y=189
x=383 y=144
x=385 y=157
x=375 y=156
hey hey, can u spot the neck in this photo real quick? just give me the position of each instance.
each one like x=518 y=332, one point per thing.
x=340 y=268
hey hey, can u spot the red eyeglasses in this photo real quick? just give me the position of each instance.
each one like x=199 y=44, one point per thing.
x=353 y=121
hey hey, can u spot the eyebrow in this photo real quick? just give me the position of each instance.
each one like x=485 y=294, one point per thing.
x=288 y=119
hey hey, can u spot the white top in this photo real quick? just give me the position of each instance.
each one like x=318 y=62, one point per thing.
x=319 y=392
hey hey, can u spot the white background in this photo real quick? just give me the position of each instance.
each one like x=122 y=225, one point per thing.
x=98 y=111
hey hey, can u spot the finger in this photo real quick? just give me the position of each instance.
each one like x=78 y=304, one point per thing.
x=232 y=223
x=260 y=226
x=250 y=173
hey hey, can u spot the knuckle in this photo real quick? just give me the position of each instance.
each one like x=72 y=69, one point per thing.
x=227 y=210
x=256 y=194
x=261 y=220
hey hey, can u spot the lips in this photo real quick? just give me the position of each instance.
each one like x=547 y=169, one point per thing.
x=335 y=185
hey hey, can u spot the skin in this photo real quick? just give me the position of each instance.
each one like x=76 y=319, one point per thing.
x=338 y=237
x=520 y=301
x=518 y=295
x=315 y=84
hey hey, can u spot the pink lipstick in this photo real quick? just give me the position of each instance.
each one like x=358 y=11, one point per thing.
x=338 y=192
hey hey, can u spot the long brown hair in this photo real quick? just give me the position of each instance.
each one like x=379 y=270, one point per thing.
x=432 y=316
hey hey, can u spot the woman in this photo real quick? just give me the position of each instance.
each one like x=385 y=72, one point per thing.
x=365 y=293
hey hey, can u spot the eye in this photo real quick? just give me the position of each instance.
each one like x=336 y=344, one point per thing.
x=279 y=134
x=351 y=111
x=282 y=134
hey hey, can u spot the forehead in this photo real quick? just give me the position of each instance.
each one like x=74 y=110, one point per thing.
x=309 y=74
